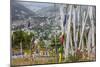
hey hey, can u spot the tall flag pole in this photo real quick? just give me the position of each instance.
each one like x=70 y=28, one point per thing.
x=84 y=18
x=62 y=23
x=68 y=33
x=62 y=35
x=55 y=40
x=89 y=42
x=74 y=26
x=78 y=29
x=93 y=29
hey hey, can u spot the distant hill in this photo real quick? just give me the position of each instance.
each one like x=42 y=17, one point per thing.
x=18 y=11
x=48 y=11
